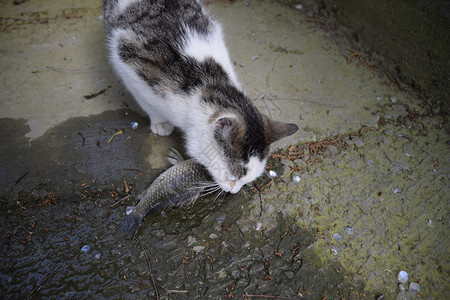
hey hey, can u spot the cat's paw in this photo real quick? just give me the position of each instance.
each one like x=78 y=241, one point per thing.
x=163 y=129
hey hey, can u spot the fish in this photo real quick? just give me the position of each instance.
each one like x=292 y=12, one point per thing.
x=180 y=185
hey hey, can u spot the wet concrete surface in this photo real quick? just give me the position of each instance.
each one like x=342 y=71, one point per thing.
x=373 y=164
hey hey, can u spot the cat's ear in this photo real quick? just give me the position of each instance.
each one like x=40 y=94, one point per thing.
x=275 y=130
x=230 y=130
x=222 y=124
x=224 y=128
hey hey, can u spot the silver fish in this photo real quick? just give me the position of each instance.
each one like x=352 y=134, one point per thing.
x=180 y=185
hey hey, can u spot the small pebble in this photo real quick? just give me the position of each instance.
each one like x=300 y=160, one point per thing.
x=220 y=218
x=191 y=240
x=258 y=226
x=334 y=250
x=349 y=230
x=129 y=209
x=414 y=288
x=198 y=248
x=296 y=178
x=430 y=222
x=402 y=277
x=299 y=6
x=379 y=98
x=396 y=190
x=134 y=125
x=85 y=248
x=337 y=237
x=272 y=174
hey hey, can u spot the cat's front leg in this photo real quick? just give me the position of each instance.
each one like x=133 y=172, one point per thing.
x=160 y=125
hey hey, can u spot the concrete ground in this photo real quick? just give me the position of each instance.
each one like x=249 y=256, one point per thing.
x=370 y=200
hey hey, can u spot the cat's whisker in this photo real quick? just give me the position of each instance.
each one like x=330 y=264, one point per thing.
x=208 y=193
x=206 y=186
x=221 y=192
x=209 y=189
x=203 y=186
x=213 y=184
x=212 y=191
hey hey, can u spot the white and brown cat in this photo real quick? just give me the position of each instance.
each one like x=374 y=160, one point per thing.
x=171 y=56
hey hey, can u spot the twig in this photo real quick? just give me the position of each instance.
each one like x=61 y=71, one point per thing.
x=39 y=286
x=123 y=199
x=339 y=46
x=173 y=291
x=21 y=177
x=310 y=101
x=267 y=297
x=93 y=95
x=131 y=169
x=241 y=234
x=85 y=70
x=82 y=138
x=150 y=269
x=261 y=96
x=273 y=68
x=260 y=200
x=127 y=187
x=118 y=132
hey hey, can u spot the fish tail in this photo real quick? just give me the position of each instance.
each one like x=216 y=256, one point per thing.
x=130 y=225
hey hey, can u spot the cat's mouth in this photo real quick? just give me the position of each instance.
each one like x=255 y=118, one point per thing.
x=227 y=186
x=231 y=186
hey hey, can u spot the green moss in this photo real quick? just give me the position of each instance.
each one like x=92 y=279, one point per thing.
x=390 y=229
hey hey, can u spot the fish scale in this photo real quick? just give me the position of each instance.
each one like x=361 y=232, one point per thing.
x=180 y=185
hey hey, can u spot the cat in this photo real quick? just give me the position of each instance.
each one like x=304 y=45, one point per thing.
x=172 y=57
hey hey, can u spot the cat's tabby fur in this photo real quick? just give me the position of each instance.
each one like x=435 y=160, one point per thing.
x=171 y=56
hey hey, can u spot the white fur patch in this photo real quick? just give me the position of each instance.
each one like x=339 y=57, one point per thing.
x=255 y=168
x=210 y=46
x=149 y=101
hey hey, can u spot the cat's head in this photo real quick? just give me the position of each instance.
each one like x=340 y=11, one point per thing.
x=238 y=152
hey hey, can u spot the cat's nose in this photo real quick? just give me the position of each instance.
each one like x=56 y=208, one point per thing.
x=234 y=187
